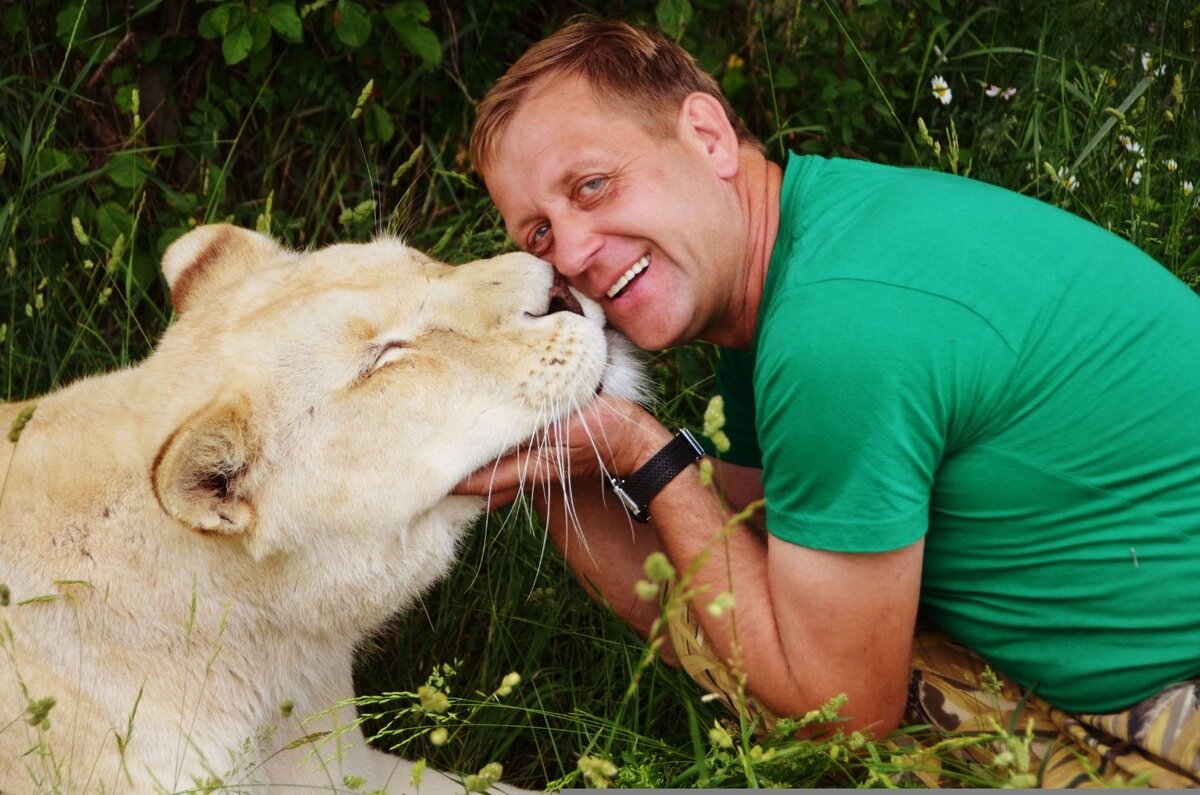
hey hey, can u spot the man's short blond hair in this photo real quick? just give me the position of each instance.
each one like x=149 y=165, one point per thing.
x=628 y=67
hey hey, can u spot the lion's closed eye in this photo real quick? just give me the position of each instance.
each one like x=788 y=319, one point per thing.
x=382 y=354
x=389 y=352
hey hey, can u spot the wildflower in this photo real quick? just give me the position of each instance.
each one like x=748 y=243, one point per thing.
x=1009 y=93
x=717 y=607
x=1133 y=177
x=734 y=61
x=1171 y=164
x=439 y=736
x=1147 y=60
x=941 y=90
x=1188 y=187
x=80 y=235
x=1004 y=93
x=597 y=771
x=38 y=711
x=418 y=772
x=508 y=683
x=1067 y=179
x=657 y=567
x=487 y=776
x=992 y=91
x=432 y=699
x=714 y=421
x=646 y=590
x=719 y=737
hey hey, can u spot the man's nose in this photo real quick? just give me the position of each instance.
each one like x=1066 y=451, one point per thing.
x=575 y=247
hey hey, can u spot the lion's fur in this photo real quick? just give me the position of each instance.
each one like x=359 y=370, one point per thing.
x=191 y=543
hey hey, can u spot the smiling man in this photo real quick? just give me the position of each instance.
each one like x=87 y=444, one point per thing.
x=952 y=397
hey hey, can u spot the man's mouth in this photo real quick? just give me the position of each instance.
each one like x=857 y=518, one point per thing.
x=629 y=275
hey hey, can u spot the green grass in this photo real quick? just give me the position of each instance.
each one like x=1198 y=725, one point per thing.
x=274 y=142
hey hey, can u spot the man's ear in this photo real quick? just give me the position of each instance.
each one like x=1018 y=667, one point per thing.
x=702 y=120
x=200 y=472
x=212 y=257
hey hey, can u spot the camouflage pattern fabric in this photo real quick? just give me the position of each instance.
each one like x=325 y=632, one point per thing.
x=952 y=690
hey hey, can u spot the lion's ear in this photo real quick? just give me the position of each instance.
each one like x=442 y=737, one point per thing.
x=211 y=257
x=199 y=474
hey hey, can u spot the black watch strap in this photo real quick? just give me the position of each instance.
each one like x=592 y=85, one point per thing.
x=636 y=490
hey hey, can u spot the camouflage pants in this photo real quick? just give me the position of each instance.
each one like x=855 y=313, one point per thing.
x=1155 y=742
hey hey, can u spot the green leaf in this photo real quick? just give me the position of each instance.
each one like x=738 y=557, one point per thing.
x=113 y=220
x=14 y=19
x=237 y=44
x=380 y=126
x=286 y=22
x=215 y=22
x=127 y=170
x=260 y=29
x=673 y=16
x=423 y=42
x=416 y=9
x=351 y=23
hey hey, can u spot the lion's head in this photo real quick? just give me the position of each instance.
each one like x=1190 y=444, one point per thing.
x=337 y=396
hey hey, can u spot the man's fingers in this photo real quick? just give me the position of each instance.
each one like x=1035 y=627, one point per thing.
x=498 y=499
x=510 y=473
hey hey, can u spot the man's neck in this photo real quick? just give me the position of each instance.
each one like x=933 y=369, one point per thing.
x=758 y=184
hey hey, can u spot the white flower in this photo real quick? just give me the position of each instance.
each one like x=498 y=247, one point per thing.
x=1130 y=144
x=1149 y=66
x=941 y=89
x=996 y=91
x=1067 y=179
x=1171 y=164
x=1188 y=187
x=992 y=91
x=1134 y=177
x=1009 y=93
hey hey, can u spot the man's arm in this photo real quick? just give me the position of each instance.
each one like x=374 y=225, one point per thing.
x=811 y=624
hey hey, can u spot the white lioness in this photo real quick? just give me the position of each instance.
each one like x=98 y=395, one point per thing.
x=191 y=549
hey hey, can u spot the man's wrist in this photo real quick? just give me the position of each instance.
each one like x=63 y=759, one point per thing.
x=635 y=491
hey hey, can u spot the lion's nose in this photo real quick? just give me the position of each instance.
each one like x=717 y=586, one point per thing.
x=561 y=297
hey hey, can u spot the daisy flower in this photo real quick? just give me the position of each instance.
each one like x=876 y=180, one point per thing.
x=941 y=89
x=1067 y=179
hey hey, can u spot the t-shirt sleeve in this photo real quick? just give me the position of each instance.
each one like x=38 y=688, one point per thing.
x=856 y=387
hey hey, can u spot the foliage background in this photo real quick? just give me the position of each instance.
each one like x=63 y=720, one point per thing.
x=123 y=124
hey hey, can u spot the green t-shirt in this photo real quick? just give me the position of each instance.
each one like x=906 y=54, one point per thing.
x=939 y=357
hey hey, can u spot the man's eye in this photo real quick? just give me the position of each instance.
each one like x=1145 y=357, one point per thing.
x=591 y=186
x=539 y=238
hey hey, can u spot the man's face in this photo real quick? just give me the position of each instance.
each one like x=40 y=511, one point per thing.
x=639 y=222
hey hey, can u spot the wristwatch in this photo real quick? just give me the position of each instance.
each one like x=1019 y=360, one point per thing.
x=636 y=490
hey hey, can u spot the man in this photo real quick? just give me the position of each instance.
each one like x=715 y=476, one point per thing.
x=951 y=396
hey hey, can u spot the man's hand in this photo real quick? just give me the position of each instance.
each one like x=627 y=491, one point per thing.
x=608 y=435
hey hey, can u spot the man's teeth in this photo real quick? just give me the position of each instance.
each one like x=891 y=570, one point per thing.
x=627 y=277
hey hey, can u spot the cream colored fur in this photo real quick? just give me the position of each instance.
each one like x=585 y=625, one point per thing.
x=194 y=542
